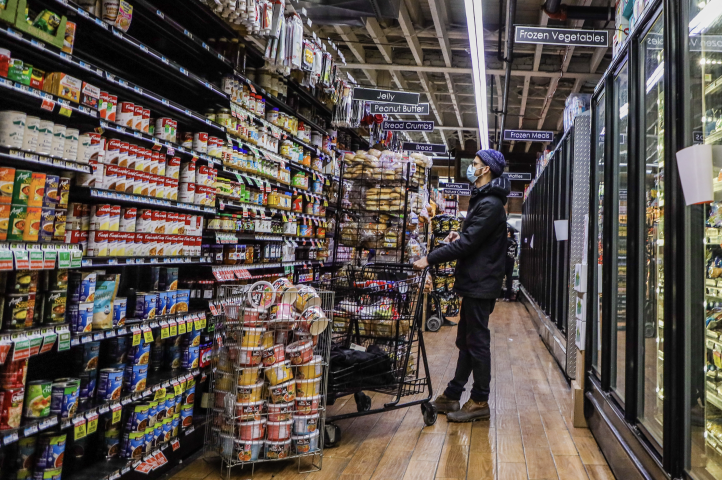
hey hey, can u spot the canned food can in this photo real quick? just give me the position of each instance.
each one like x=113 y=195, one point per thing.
x=37 y=399
x=200 y=142
x=111 y=443
x=19 y=311
x=110 y=384
x=139 y=354
x=64 y=397
x=120 y=306
x=191 y=356
x=135 y=377
x=88 y=383
x=12 y=128
x=137 y=417
x=126 y=112
x=87 y=356
x=135 y=446
x=50 y=450
x=117 y=350
x=55 y=306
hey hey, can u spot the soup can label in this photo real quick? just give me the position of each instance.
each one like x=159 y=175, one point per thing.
x=110 y=384
x=191 y=356
x=137 y=418
x=136 y=445
x=135 y=377
x=37 y=399
x=50 y=451
x=65 y=398
x=139 y=354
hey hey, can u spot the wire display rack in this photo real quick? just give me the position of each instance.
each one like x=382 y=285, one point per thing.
x=378 y=343
x=269 y=384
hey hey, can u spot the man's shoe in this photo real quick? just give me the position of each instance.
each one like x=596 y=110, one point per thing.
x=444 y=404
x=470 y=412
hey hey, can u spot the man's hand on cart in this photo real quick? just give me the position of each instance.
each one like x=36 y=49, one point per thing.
x=421 y=263
x=452 y=237
x=428 y=284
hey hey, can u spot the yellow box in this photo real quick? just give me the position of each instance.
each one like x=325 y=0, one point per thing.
x=64 y=86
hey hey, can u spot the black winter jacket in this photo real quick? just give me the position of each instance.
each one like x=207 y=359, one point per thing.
x=480 y=250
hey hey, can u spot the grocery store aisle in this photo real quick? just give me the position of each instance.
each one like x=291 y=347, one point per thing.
x=529 y=435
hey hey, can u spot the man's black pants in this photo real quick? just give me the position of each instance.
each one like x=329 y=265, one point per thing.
x=474 y=343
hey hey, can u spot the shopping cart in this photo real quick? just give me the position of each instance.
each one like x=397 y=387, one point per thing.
x=378 y=343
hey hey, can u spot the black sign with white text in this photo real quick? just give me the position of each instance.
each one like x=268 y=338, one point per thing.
x=424 y=147
x=402 y=126
x=561 y=36
x=528 y=135
x=399 y=109
x=518 y=176
x=444 y=185
x=516 y=195
x=385 y=96
x=463 y=192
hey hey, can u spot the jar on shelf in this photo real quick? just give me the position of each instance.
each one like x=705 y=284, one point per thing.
x=210 y=114
x=230 y=254
x=217 y=254
x=272 y=116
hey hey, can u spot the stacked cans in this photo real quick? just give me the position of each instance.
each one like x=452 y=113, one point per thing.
x=133 y=116
x=106 y=230
x=33 y=297
x=197 y=184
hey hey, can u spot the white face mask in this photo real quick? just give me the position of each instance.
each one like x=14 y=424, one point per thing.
x=470 y=171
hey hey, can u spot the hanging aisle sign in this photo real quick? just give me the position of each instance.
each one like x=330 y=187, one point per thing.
x=396 y=126
x=385 y=96
x=528 y=135
x=518 y=176
x=424 y=147
x=399 y=109
x=561 y=36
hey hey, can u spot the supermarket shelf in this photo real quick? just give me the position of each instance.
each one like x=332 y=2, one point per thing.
x=20 y=158
x=89 y=194
x=80 y=338
x=156 y=381
x=190 y=440
x=18 y=335
x=134 y=50
x=51 y=57
x=233 y=204
x=95 y=262
x=172 y=147
x=238 y=175
x=34 y=98
x=308 y=97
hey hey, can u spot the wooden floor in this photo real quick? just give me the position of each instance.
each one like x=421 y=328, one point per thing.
x=529 y=435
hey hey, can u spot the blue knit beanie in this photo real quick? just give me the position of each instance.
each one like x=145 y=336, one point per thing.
x=494 y=159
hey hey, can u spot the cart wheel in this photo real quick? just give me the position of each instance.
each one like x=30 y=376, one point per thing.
x=433 y=324
x=429 y=413
x=332 y=435
x=363 y=402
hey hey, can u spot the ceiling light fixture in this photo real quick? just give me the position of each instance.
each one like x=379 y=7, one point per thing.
x=474 y=22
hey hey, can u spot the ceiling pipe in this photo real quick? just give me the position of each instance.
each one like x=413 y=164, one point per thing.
x=556 y=10
x=510 y=14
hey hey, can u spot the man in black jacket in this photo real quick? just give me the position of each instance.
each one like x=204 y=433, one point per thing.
x=480 y=251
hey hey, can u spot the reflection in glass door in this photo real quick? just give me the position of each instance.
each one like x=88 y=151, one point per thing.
x=621 y=102
x=652 y=69
x=705 y=28
x=599 y=162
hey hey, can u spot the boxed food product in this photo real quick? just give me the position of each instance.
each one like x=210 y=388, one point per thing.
x=64 y=86
x=90 y=95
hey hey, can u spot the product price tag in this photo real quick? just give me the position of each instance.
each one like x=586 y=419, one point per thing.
x=92 y=423
x=31 y=430
x=63 y=341
x=159 y=394
x=66 y=112
x=147 y=334
x=117 y=413
x=173 y=328
x=79 y=428
x=164 y=330
x=136 y=336
x=175 y=443
x=8 y=439
x=181 y=326
x=48 y=104
x=48 y=422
